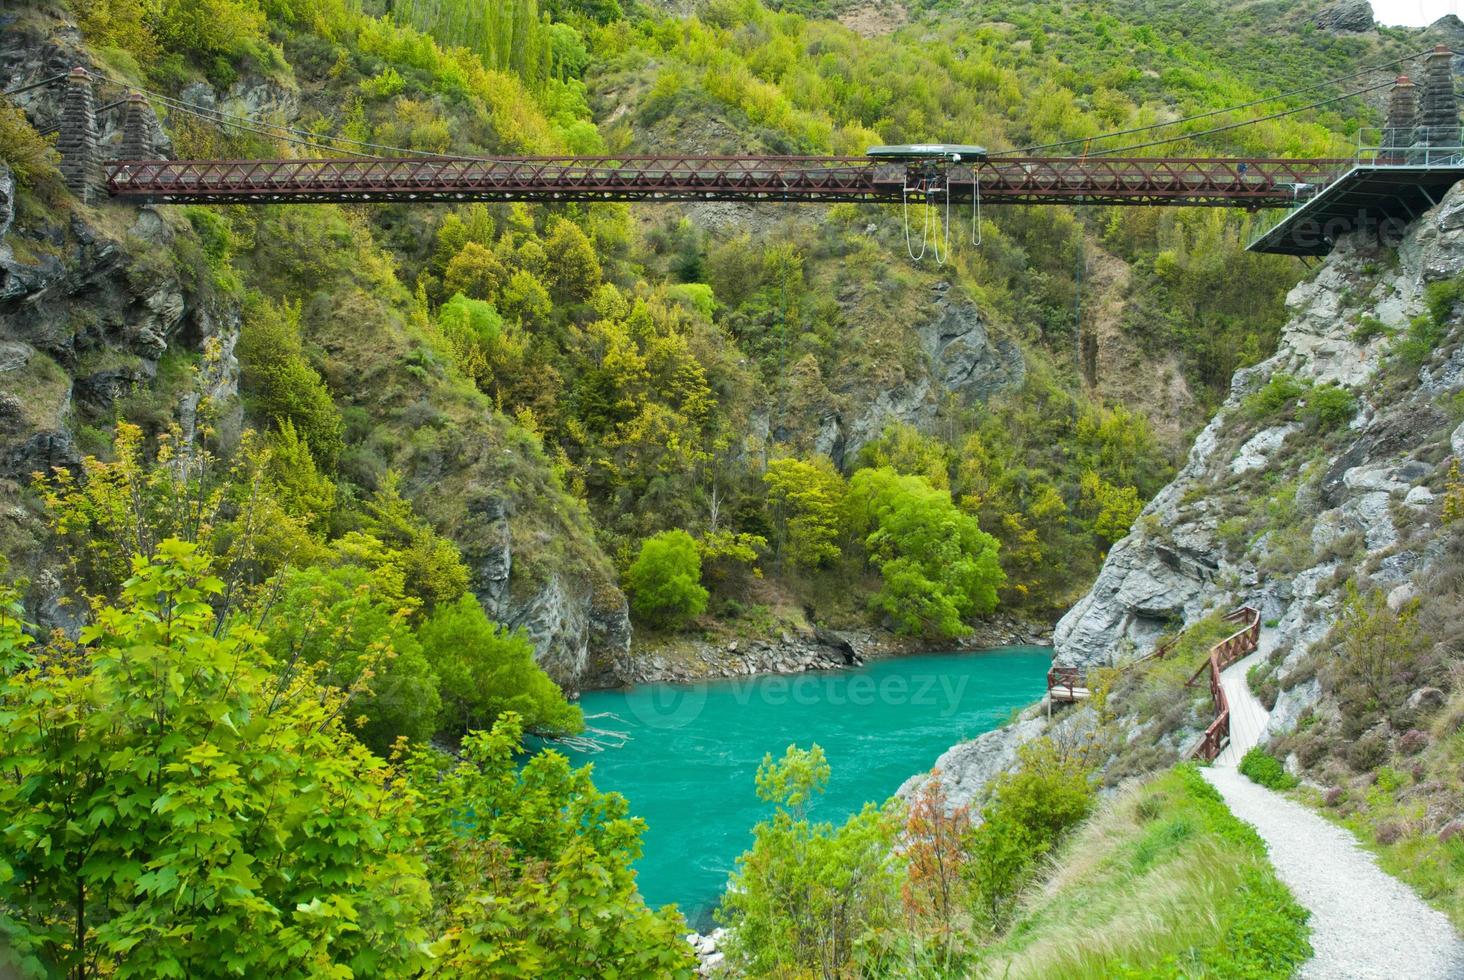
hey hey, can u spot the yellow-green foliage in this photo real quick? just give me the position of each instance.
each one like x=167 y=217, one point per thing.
x=1162 y=882
x=176 y=802
x=282 y=384
x=28 y=155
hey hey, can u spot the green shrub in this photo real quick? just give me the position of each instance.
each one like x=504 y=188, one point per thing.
x=281 y=385
x=30 y=157
x=1441 y=298
x=1417 y=343
x=1279 y=393
x=1369 y=327
x=484 y=671
x=664 y=581
x=806 y=892
x=1266 y=769
x=1328 y=407
x=344 y=622
x=1030 y=811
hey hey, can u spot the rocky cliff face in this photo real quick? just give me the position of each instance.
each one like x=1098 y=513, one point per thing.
x=1278 y=513
x=959 y=359
x=1283 y=504
x=95 y=301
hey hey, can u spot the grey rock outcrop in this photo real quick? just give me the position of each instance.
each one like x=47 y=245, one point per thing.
x=962 y=360
x=966 y=769
x=1349 y=16
x=1179 y=561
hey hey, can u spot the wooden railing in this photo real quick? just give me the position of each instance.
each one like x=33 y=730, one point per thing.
x=1234 y=647
x=1065 y=683
x=1070 y=683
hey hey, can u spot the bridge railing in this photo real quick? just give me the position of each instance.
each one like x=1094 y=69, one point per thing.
x=1234 y=647
x=1416 y=146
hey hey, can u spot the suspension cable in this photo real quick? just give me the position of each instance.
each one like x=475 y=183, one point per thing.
x=1242 y=123
x=977 y=232
x=33 y=85
x=1212 y=112
x=905 y=205
x=219 y=117
x=209 y=117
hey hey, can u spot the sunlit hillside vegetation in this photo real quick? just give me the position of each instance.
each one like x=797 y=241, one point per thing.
x=662 y=364
x=278 y=733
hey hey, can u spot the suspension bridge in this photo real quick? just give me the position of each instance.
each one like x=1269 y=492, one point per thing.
x=1391 y=179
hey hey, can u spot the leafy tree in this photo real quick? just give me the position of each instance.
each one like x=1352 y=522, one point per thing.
x=531 y=868
x=1030 y=809
x=431 y=568
x=524 y=299
x=237 y=515
x=174 y=803
x=938 y=566
x=350 y=629
x=300 y=486
x=487 y=349
x=806 y=893
x=807 y=495
x=907 y=451
x=32 y=160
x=1112 y=509
x=486 y=671
x=474 y=272
x=727 y=555
x=664 y=581
x=169 y=807
x=279 y=382
x=575 y=270
x=935 y=851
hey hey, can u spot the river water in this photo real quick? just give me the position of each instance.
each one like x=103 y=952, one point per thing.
x=694 y=748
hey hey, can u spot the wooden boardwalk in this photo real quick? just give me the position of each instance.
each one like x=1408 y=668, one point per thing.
x=1247 y=715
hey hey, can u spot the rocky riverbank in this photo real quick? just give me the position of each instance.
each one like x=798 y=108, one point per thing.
x=792 y=651
x=711 y=960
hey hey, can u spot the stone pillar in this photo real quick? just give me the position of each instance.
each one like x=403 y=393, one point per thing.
x=1439 y=115
x=78 y=137
x=1402 y=118
x=138 y=124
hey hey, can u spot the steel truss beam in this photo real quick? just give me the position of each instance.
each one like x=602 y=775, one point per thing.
x=1010 y=180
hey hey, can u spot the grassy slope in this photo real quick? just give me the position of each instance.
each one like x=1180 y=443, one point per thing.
x=1162 y=882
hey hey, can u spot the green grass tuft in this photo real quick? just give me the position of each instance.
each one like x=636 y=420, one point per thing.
x=1163 y=882
x=1266 y=769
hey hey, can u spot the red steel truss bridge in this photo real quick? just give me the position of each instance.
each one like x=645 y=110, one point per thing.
x=1245 y=183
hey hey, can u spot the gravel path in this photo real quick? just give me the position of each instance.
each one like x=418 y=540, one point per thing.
x=1366 y=924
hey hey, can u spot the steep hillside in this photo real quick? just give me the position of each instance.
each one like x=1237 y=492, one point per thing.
x=556 y=389
x=1326 y=493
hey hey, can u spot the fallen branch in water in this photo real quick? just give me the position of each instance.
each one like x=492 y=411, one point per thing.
x=594 y=738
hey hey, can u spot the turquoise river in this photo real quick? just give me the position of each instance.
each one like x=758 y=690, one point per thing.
x=693 y=750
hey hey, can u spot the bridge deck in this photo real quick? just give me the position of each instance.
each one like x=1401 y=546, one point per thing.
x=1254 y=183
x=1384 y=197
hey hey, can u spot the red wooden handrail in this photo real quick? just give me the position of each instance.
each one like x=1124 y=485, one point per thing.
x=1234 y=647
